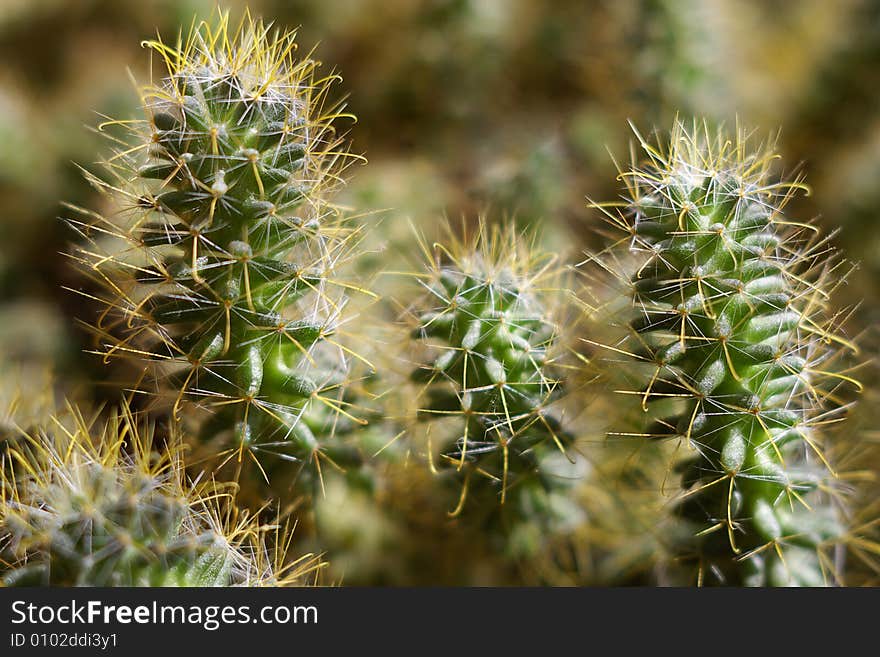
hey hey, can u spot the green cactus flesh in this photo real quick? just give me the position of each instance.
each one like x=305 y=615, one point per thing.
x=729 y=300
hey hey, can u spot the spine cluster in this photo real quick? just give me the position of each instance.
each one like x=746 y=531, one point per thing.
x=737 y=353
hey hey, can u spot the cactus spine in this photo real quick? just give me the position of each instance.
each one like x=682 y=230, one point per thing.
x=99 y=508
x=222 y=286
x=488 y=332
x=730 y=329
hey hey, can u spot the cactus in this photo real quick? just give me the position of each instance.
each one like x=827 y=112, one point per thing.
x=82 y=507
x=487 y=328
x=731 y=329
x=218 y=273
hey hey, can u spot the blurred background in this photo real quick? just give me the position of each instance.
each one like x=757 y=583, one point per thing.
x=503 y=107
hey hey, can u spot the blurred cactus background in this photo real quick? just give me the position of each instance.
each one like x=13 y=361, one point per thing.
x=480 y=115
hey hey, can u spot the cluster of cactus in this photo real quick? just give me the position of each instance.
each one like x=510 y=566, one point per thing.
x=487 y=325
x=87 y=507
x=217 y=270
x=217 y=273
x=730 y=327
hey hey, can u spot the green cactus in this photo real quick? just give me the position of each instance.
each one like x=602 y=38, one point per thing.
x=487 y=327
x=78 y=509
x=729 y=326
x=218 y=273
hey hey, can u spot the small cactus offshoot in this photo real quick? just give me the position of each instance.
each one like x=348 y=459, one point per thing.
x=218 y=270
x=87 y=507
x=734 y=343
x=487 y=327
